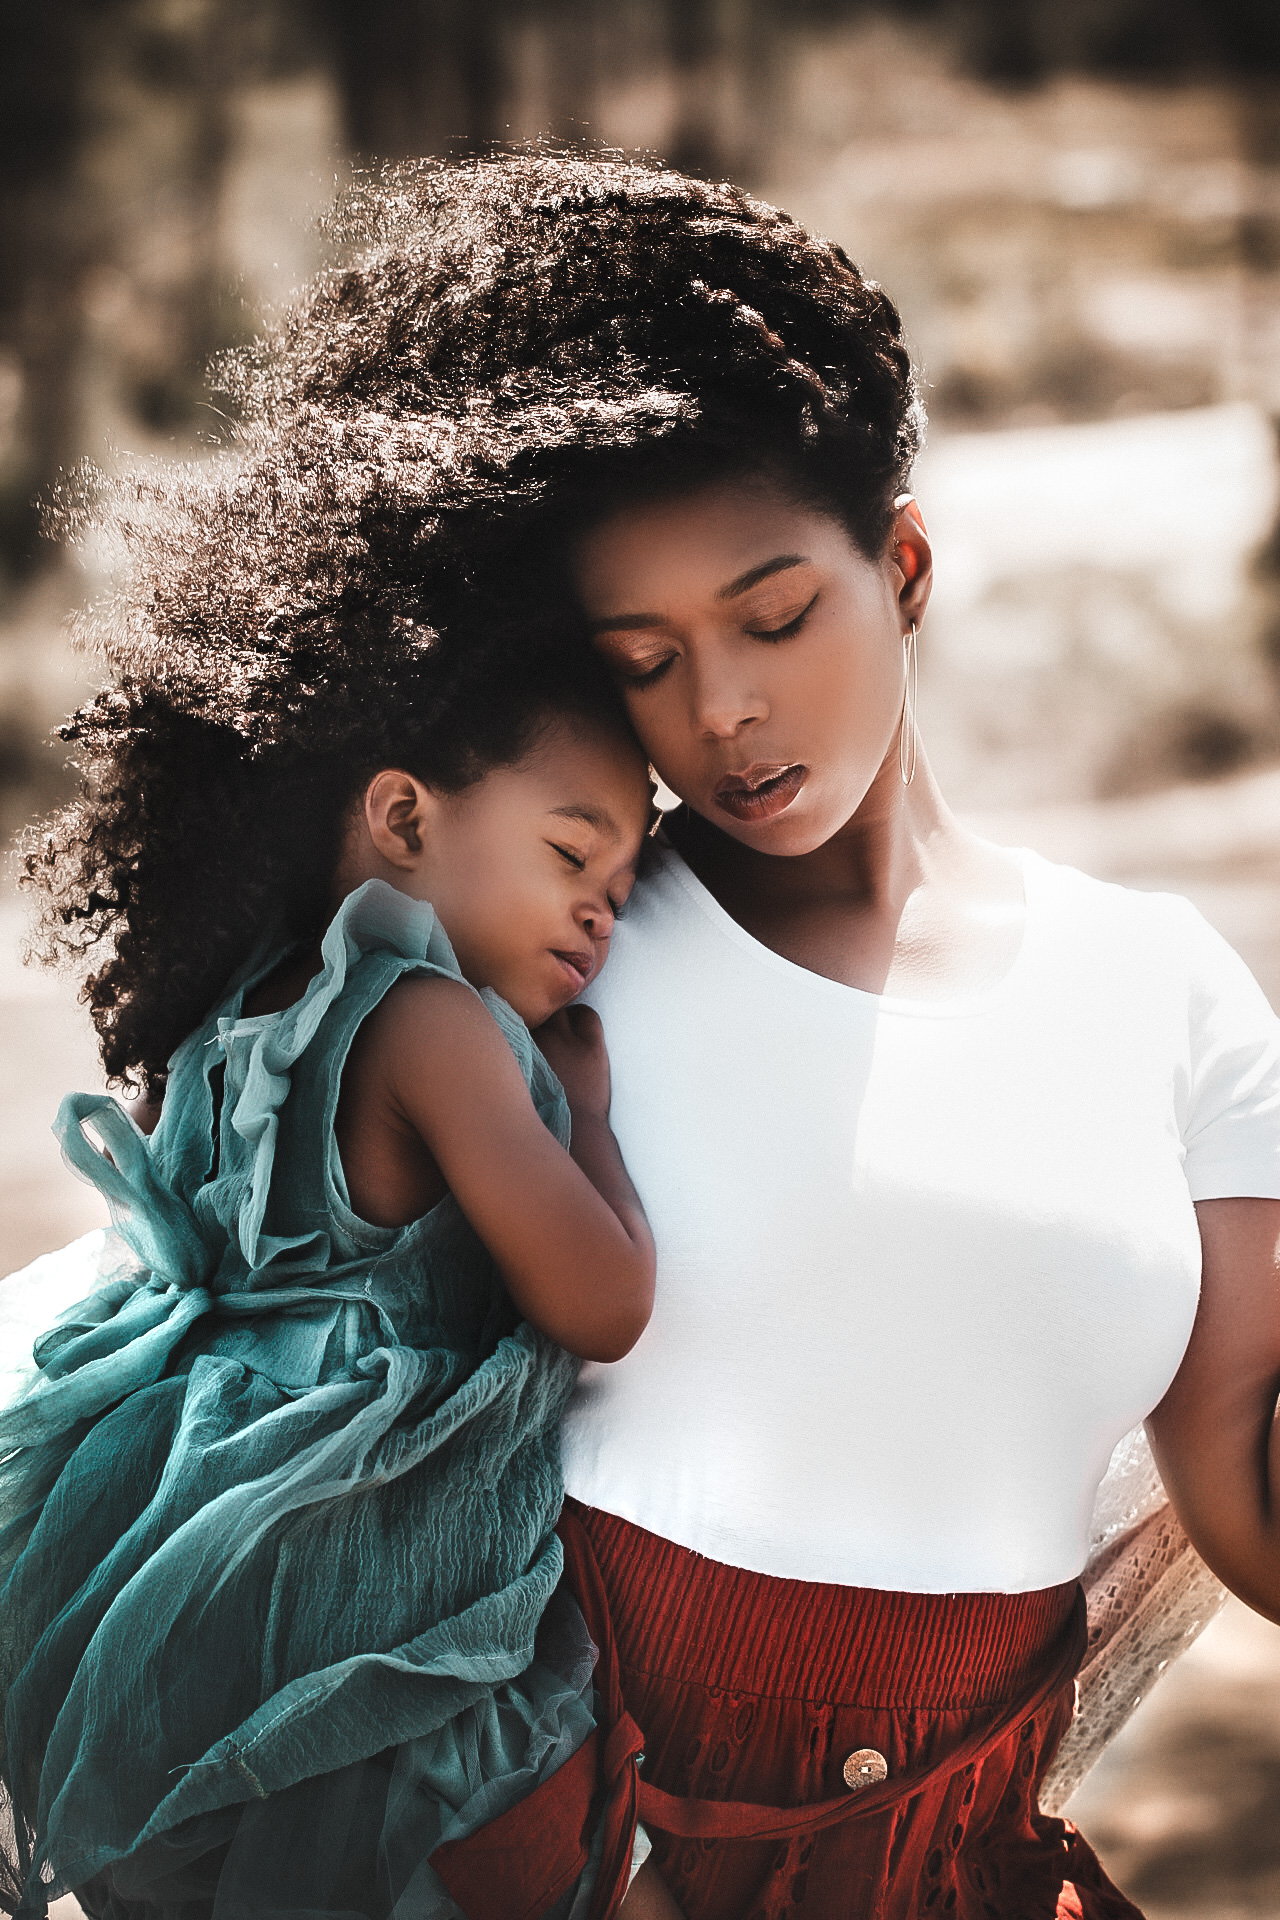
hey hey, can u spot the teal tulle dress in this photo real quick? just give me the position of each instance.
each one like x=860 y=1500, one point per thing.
x=280 y=1608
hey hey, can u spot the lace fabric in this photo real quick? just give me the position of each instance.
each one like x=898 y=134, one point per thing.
x=1149 y=1596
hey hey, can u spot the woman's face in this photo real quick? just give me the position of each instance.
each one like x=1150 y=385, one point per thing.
x=759 y=651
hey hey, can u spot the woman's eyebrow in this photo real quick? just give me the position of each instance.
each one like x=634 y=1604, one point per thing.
x=754 y=575
x=628 y=622
x=620 y=622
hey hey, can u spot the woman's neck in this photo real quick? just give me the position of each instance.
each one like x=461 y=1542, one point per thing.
x=902 y=898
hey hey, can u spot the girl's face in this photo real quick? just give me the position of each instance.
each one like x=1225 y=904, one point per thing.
x=760 y=653
x=528 y=867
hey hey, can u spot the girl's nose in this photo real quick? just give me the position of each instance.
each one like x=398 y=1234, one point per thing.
x=596 y=918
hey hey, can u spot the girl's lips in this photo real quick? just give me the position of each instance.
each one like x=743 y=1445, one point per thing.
x=577 y=967
x=761 y=792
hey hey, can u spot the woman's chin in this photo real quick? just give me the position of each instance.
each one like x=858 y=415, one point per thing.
x=786 y=836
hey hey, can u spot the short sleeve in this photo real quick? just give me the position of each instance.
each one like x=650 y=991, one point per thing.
x=1231 y=1126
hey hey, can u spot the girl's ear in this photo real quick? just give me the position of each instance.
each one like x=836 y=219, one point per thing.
x=398 y=811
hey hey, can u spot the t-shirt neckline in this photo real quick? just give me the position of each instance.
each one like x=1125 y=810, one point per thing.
x=952 y=1007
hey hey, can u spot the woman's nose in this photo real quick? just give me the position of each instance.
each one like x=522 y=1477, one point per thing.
x=723 y=700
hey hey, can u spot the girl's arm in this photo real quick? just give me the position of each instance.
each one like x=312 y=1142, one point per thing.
x=1215 y=1435
x=568 y=1234
x=572 y=1043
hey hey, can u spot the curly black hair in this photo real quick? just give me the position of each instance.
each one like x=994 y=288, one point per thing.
x=367 y=572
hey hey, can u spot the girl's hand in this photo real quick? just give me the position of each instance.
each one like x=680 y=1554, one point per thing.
x=572 y=1042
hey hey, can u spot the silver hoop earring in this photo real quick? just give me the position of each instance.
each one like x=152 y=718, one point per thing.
x=908 y=733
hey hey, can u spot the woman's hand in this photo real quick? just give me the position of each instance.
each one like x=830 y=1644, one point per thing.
x=572 y=1043
x=1215 y=1434
x=647 y=1897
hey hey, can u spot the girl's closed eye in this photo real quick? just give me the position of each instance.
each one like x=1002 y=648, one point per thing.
x=578 y=862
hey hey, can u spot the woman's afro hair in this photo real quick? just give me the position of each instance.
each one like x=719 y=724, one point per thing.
x=365 y=572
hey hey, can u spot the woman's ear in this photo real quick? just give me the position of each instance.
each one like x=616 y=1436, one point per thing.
x=398 y=811
x=912 y=556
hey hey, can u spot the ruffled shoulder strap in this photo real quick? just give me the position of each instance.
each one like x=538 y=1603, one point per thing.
x=376 y=923
x=279 y=1193
x=270 y=1207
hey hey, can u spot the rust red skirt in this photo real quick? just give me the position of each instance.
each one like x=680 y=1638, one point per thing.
x=748 y=1695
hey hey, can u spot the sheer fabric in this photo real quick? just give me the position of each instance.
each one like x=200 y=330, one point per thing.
x=1149 y=1595
x=277 y=1500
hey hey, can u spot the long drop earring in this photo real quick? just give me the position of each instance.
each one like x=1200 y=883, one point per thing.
x=908 y=737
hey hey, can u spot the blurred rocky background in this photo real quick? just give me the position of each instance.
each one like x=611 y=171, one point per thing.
x=1076 y=204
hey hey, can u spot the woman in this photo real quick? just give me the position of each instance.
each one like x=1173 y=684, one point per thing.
x=941 y=1144
x=935 y=1138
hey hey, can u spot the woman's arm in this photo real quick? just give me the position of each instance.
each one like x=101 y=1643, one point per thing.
x=568 y=1234
x=1215 y=1435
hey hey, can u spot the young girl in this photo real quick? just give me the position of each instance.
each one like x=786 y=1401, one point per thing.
x=281 y=1624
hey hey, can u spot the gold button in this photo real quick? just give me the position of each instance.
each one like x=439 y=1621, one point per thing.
x=865 y=1768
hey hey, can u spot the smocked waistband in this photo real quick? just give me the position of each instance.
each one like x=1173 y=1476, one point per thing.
x=694 y=1620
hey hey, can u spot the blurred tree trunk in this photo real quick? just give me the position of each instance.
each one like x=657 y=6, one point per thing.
x=114 y=138
x=44 y=247
x=454 y=76
x=760 y=59
x=421 y=76
x=694 y=37
x=1258 y=238
x=169 y=73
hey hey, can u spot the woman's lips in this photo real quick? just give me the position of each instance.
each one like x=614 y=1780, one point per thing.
x=760 y=792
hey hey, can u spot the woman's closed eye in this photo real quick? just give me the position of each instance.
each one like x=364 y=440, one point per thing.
x=643 y=676
x=642 y=673
x=788 y=627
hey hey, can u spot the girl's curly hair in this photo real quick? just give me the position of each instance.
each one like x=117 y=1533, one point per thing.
x=368 y=574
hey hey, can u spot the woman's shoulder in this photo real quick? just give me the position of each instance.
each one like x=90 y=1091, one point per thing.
x=1102 y=907
x=1136 y=933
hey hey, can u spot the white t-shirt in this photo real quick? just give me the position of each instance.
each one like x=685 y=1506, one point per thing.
x=920 y=1263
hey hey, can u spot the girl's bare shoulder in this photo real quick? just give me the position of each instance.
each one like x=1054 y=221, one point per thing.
x=429 y=1030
